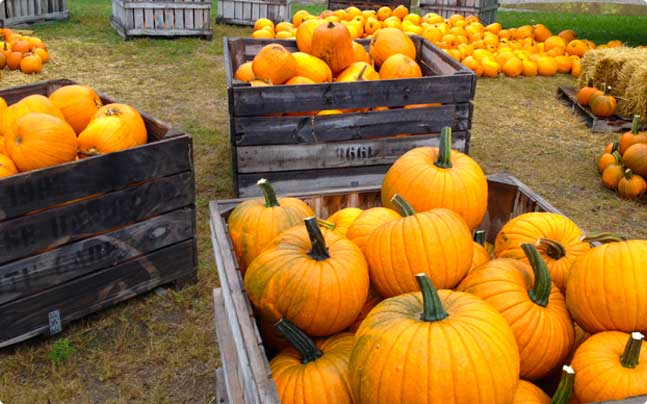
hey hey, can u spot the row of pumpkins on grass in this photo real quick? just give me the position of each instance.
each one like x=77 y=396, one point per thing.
x=623 y=165
x=22 y=52
x=404 y=307
x=487 y=50
x=72 y=123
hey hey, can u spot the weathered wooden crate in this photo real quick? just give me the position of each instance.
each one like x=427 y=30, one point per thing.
x=246 y=12
x=85 y=235
x=305 y=153
x=167 y=18
x=485 y=10
x=367 y=4
x=20 y=12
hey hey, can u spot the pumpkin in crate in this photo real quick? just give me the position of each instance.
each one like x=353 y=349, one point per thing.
x=431 y=177
x=114 y=127
x=317 y=280
x=332 y=43
x=40 y=140
x=253 y=224
x=275 y=64
x=78 y=104
x=606 y=288
x=633 y=136
x=312 y=372
x=635 y=157
x=389 y=41
x=372 y=300
x=343 y=219
x=7 y=167
x=29 y=104
x=369 y=220
x=611 y=365
x=631 y=186
x=399 y=66
x=244 y=72
x=361 y=55
x=533 y=307
x=358 y=71
x=608 y=158
x=481 y=254
x=305 y=32
x=436 y=242
x=559 y=241
x=427 y=347
x=312 y=67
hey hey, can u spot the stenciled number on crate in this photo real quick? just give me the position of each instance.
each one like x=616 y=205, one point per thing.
x=362 y=152
x=55 y=323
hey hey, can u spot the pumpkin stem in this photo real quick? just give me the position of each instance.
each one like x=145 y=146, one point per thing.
x=360 y=76
x=554 y=249
x=541 y=291
x=565 y=388
x=615 y=147
x=445 y=149
x=319 y=250
x=618 y=157
x=268 y=193
x=432 y=307
x=590 y=83
x=403 y=206
x=628 y=173
x=479 y=237
x=299 y=340
x=629 y=358
x=603 y=237
x=635 y=124
x=326 y=224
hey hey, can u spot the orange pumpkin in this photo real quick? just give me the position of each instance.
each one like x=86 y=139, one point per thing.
x=399 y=66
x=40 y=140
x=568 y=35
x=31 y=64
x=603 y=105
x=389 y=41
x=332 y=43
x=481 y=255
x=547 y=66
x=13 y=60
x=613 y=172
x=7 y=167
x=633 y=136
x=312 y=68
x=297 y=80
x=244 y=72
x=304 y=34
x=361 y=55
x=513 y=67
x=78 y=104
x=635 y=157
x=21 y=46
x=608 y=158
x=631 y=186
x=114 y=127
x=343 y=219
x=369 y=220
x=275 y=64
x=585 y=94
x=528 y=393
x=31 y=103
x=358 y=71
x=42 y=54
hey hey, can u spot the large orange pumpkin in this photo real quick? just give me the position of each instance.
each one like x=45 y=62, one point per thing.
x=434 y=347
x=635 y=157
x=319 y=282
x=631 y=186
x=312 y=373
x=430 y=177
x=304 y=34
x=611 y=366
x=399 y=66
x=332 y=43
x=366 y=222
x=389 y=41
x=31 y=103
x=585 y=94
x=40 y=140
x=603 y=104
x=253 y=224
x=114 y=127
x=78 y=104
x=605 y=290
x=7 y=167
x=633 y=136
x=531 y=304
x=435 y=242
x=312 y=67
x=275 y=64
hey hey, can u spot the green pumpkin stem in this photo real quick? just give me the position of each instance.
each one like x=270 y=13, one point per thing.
x=319 y=250
x=268 y=193
x=603 y=237
x=618 y=157
x=299 y=340
x=554 y=249
x=403 y=206
x=445 y=149
x=433 y=309
x=615 y=147
x=604 y=88
x=326 y=224
x=565 y=388
x=360 y=75
x=479 y=237
x=629 y=358
x=635 y=124
x=540 y=293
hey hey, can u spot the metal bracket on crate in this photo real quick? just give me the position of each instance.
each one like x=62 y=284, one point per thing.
x=55 y=324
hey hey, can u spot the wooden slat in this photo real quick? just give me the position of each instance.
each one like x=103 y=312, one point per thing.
x=27 y=235
x=228 y=375
x=166 y=5
x=34 y=274
x=169 y=17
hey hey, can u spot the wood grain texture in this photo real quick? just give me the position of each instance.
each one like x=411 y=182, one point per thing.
x=228 y=378
x=19 y=12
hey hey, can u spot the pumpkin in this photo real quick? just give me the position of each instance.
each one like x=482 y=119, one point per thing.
x=513 y=67
x=114 y=127
x=611 y=365
x=29 y=104
x=631 y=186
x=31 y=64
x=254 y=223
x=585 y=94
x=613 y=172
x=564 y=64
x=533 y=307
x=332 y=43
x=559 y=240
x=430 y=177
x=78 y=104
x=434 y=347
x=576 y=67
x=372 y=300
x=481 y=255
x=7 y=167
x=605 y=288
x=399 y=66
x=603 y=105
x=358 y=71
x=319 y=282
x=259 y=83
x=608 y=158
x=21 y=46
x=40 y=140
x=389 y=41
x=312 y=68
x=528 y=393
x=546 y=66
x=3 y=60
x=541 y=33
x=245 y=72
x=305 y=32
x=325 y=361
x=633 y=136
x=635 y=157
x=361 y=55
x=275 y=64
x=13 y=60
x=263 y=34
x=577 y=47
x=529 y=68
x=436 y=242
x=343 y=219
x=297 y=80
x=42 y=54
x=369 y=220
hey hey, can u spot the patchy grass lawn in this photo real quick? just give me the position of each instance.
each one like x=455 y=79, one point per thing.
x=161 y=348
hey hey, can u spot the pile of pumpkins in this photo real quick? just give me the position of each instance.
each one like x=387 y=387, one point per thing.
x=599 y=101
x=72 y=123
x=398 y=304
x=487 y=50
x=22 y=52
x=623 y=165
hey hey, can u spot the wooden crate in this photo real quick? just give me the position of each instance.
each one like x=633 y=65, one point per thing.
x=306 y=153
x=485 y=10
x=83 y=236
x=367 y=4
x=21 y=12
x=166 y=18
x=246 y=12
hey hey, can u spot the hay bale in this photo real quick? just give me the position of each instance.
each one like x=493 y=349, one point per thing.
x=605 y=66
x=589 y=61
x=624 y=79
x=635 y=96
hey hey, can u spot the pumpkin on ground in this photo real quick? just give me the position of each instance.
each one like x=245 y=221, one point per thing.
x=608 y=158
x=430 y=177
x=319 y=281
x=275 y=64
x=611 y=365
x=631 y=186
x=605 y=290
x=31 y=64
x=333 y=44
x=78 y=104
x=253 y=224
x=613 y=172
x=7 y=167
x=114 y=127
x=312 y=373
x=585 y=94
x=533 y=307
x=635 y=157
x=633 y=136
x=389 y=41
x=481 y=254
x=369 y=220
x=436 y=242
x=434 y=347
